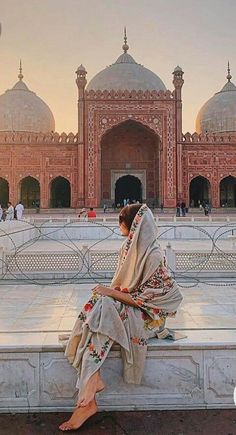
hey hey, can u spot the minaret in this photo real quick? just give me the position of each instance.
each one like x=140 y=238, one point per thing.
x=81 y=83
x=178 y=82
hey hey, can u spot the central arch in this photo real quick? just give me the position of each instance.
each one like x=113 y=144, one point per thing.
x=60 y=193
x=130 y=149
x=30 y=192
x=199 y=191
x=128 y=187
x=4 y=192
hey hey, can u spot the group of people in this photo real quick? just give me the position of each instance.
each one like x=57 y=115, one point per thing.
x=10 y=213
x=181 y=209
x=84 y=214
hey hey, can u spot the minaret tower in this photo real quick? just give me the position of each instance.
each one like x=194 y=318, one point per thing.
x=178 y=82
x=81 y=83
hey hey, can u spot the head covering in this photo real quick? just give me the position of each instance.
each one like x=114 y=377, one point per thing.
x=140 y=254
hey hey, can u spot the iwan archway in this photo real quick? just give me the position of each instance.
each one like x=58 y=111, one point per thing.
x=132 y=150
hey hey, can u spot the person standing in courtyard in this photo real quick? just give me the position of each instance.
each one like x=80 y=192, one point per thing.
x=19 y=210
x=1 y=213
x=131 y=310
x=9 y=212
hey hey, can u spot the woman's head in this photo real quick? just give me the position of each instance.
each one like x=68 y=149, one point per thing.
x=126 y=217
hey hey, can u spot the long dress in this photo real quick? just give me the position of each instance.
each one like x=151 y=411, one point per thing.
x=104 y=320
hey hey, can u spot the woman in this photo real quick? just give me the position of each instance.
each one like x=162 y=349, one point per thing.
x=133 y=309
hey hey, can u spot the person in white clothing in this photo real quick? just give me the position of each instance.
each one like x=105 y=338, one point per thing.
x=19 y=210
x=10 y=212
x=1 y=212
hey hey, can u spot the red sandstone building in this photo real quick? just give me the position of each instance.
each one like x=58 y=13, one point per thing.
x=129 y=144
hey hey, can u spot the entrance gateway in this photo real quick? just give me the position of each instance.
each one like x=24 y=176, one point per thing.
x=127 y=184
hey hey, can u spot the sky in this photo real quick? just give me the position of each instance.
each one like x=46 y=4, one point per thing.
x=53 y=37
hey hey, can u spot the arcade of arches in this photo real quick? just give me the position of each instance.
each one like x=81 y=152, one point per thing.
x=128 y=148
x=200 y=191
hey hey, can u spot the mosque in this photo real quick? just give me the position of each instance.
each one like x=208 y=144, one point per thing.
x=129 y=143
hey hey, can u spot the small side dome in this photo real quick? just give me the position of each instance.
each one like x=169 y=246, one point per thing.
x=22 y=110
x=218 y=115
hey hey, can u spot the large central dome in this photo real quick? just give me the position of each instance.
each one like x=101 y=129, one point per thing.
x=126 y=74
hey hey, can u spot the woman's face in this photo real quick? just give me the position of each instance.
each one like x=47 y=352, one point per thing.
x=123 y=229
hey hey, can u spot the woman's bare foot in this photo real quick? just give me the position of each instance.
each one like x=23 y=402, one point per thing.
x=94 y=385
x=79 y=416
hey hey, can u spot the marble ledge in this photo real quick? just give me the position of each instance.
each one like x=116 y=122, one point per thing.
x=48 y=341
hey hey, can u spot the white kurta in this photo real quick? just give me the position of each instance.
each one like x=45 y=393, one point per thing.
x=19 y=211
x=10 y=213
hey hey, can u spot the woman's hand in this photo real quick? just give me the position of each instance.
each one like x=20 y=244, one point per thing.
x=102 y=290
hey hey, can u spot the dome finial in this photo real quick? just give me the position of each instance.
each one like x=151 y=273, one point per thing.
x=20 y=75
x=125 y=45
x=229 y=77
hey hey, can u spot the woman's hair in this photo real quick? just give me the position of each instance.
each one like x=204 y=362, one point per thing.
x=128 y=213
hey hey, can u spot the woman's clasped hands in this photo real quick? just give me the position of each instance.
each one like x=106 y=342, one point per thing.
x=102 y=290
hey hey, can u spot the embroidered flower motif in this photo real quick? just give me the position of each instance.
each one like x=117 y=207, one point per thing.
x=88 y=307
x=139 y=340
x=98 y=356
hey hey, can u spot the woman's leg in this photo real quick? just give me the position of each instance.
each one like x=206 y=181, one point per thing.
x=94 y=385
x=86 y=406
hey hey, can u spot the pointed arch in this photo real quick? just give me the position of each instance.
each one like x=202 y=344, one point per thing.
x=30 y=192
x=60 y=192
x=4 y=192
x=199 y=191
x=228 y=191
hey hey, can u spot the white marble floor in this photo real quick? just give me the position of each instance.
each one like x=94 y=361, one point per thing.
x=34 y=308
x=31 y=316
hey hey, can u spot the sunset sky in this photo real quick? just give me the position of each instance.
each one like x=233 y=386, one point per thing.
x=53 y=37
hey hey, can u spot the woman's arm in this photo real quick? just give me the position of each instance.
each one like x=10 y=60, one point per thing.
x=115 y=294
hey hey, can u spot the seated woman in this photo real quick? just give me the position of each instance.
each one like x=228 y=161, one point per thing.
x=129 y=312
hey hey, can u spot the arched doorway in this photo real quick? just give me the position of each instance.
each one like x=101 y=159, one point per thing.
x=199 y=191
x=128 y=187
x=130 y=149
x=4 y=192
x=60 y=193
x=228 y=192
x=30 y=192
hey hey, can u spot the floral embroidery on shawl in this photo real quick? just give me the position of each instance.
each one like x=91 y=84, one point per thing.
x=133 y=228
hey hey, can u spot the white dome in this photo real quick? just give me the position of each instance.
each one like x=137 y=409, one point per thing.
x=22 y=110
x=126 y=74
x=218 y=114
